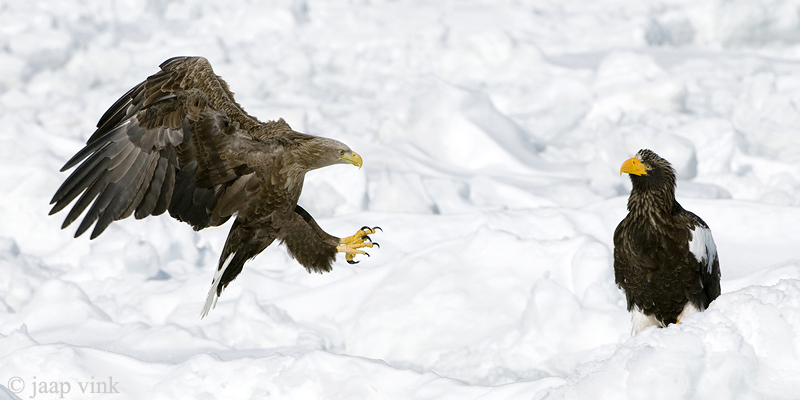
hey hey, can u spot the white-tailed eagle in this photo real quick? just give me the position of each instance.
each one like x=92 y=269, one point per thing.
x=179 y=142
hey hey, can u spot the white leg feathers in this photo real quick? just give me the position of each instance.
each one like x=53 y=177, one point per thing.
x=641 y=321
x=211 y=299
x=688 y=310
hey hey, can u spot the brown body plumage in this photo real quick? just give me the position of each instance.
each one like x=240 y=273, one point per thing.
x=665 y=259
x=179 y=141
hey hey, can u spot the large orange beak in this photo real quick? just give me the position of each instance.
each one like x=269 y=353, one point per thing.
x=633 y=166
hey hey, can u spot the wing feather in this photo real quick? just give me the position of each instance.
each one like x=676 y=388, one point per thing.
x=82 y=178
x=90 y=180
x=122 y=193
x=704 y=250
x=117 y=163
x=150 y=164
x=108 y=185
x=117 y=112
x=108 y=138
x=235 y=198
x=153 y=193
x=167 y=187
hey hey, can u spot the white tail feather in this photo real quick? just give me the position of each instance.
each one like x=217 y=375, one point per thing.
x=211 y=299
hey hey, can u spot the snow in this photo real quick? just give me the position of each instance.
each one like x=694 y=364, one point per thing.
x=491 y=133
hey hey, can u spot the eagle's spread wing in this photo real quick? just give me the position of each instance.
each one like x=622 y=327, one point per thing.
x=162 y=145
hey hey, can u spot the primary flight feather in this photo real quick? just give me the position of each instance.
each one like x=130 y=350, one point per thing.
x=179 y=142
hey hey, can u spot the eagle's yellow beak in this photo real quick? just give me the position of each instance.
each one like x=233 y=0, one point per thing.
x=353 y=158
x=634 y=167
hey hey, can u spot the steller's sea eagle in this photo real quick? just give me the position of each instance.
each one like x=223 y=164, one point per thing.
x=665 y=259
x=179 y=141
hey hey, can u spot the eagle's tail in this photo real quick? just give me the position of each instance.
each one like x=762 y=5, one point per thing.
x=215 y=291
x=244 y=242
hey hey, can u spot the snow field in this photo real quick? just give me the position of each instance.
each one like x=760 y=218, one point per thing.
x=492 y=135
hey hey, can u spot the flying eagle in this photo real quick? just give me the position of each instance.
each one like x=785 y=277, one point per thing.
x=180 y=142
x=665 y=259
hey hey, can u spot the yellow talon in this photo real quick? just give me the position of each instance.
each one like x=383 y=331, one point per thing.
x=350 y=245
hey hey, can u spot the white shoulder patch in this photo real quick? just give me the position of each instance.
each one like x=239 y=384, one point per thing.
x=702 y=246
x=211 y=299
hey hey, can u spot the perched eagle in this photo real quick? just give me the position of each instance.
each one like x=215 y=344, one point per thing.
x=665 y=259
x=179 y=141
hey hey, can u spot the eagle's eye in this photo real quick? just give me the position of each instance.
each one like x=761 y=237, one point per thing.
x=341 y=153
x=648 y=167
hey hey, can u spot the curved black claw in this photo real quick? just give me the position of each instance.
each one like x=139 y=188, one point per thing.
x=375 y=244
x=366 y=254
x=377 y=228
x=364 y=228
x=365 y=238
x=353 y=262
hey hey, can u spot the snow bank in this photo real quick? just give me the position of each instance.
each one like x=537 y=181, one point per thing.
x=744 y=346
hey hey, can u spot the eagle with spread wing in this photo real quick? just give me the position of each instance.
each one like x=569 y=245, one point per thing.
x=179 y=142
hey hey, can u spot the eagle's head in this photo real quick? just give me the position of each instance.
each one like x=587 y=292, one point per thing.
x=647 y=168
x=651 y=175
x=346 y=156
x=322 y=152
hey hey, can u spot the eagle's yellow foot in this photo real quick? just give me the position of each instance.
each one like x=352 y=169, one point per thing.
x=350 y=245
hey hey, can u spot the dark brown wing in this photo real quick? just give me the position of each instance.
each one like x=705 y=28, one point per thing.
x=216 y=172
x=177 y=74
x=163 y=145
x=708 y=267
x=129 y=167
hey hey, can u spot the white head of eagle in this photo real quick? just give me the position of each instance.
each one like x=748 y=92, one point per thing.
x=665 y=259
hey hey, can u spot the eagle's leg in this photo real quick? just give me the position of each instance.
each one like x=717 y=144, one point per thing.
x=351 y=245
